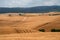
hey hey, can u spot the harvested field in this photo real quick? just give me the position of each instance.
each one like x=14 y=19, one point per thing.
x=23 y=24
x=31 y=36
x=27 y=27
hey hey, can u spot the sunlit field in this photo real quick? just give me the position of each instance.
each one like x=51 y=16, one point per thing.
x=18 y=26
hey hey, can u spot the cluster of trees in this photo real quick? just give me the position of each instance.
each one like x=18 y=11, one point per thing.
x=18 y=14
x=38 y=9
x=55 y=30
x=52 y=30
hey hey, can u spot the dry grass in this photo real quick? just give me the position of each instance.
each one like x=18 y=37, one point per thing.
x=23 y=24
x=26 y=27
x=31 y=36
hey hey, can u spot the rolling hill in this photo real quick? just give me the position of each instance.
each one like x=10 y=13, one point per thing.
x=39 y=9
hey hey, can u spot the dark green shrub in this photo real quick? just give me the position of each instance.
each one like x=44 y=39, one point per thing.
x=9 y=14
x=41 y=30
x=19 y=14
x=55 y=30
x=49 y=14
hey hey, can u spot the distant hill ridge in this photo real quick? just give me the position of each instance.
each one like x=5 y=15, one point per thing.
x=39 y=9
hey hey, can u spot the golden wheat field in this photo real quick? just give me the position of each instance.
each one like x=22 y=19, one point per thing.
x=26 y=27
x=31 y=36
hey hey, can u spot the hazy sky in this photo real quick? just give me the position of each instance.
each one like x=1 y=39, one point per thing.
x=28 y=3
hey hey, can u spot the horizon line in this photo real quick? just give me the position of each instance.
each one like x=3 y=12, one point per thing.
x=26 y=7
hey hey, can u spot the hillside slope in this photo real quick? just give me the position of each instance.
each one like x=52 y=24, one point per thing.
x=50 y=25
x=38 y=9
x=23 y=24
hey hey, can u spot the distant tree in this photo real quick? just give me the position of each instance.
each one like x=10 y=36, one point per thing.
x=20 y=14
x=49 y=14
x=41 y=30
x=9 y=14
x=55 y=30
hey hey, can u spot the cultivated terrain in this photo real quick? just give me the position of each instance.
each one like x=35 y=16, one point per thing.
x=14 y=26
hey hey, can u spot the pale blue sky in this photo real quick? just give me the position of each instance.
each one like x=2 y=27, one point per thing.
x=28 y=3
